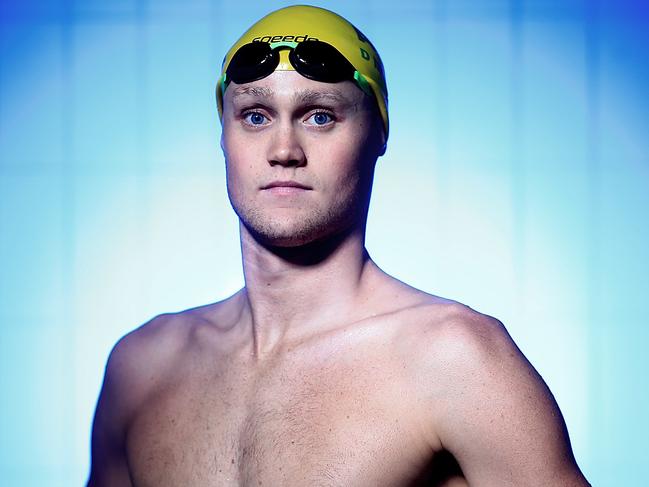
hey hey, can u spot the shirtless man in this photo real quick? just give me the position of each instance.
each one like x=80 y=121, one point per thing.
x=323 y=370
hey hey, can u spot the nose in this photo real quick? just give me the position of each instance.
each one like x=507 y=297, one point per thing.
x=286 y=148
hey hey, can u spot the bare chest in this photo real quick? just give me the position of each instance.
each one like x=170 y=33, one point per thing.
x=325 y=426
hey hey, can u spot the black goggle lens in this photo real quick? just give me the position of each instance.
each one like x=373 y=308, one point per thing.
x=321 y=62
x=252 y=62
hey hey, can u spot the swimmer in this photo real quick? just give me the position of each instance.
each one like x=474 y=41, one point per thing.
x=322 y=370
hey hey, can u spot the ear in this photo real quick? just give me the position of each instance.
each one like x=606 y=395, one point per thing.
x=221 y=141
x=384 y=146
x=381 y=136
x=383 y=141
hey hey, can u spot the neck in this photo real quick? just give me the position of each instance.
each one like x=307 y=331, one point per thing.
x=296 y=292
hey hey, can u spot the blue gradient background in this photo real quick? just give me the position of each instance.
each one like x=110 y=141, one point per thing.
x=517 y=172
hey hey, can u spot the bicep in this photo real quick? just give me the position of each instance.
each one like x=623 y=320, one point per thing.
x=499 y=419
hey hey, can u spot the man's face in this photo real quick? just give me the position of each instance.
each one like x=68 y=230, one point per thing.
x=286 y=129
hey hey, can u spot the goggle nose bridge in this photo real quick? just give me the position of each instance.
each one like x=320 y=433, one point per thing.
x=287 y=44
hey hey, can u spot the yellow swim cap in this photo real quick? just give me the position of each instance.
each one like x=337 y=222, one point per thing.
x=299 y=23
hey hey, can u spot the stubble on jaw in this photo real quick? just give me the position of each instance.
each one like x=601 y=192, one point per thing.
x=302 y=227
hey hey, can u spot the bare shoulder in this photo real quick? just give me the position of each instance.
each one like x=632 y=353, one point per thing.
x=446 y=340
x=140 y=357
x=457 y=334
x=143 y=358
x=136 y=362
x=485 y=403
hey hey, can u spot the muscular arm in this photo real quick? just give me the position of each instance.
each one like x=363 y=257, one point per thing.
x=495 y=414
x=109 y=467
x=135 y=368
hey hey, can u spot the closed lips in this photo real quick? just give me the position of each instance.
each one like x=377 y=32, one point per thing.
x=285 y=184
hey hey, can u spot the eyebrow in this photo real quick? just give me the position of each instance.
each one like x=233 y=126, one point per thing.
x=310 y=96
x=303 y=96
x=252 y=90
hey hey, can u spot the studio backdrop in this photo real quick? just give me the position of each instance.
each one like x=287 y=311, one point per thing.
x=516 y=181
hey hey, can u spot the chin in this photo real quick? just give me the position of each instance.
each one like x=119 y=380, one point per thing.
x=286 y=233
x=291 y=230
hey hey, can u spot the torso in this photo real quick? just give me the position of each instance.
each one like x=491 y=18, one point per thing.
x=335 y=410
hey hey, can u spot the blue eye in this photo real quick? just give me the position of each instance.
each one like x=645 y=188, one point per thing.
x=254 y=118
x=321 y=118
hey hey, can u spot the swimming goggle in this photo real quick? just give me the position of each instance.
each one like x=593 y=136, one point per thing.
x=316 y=60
